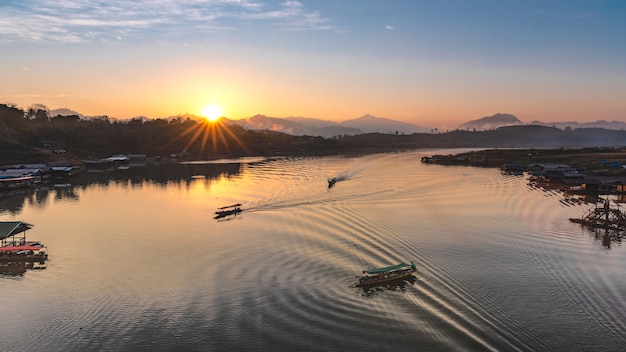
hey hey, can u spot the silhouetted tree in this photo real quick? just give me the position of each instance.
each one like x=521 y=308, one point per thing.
x=38 y=113
x=11 y=116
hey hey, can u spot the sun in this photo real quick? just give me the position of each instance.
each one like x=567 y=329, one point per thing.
x=212 y=112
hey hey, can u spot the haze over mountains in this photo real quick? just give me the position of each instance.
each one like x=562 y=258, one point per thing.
x=301 y=126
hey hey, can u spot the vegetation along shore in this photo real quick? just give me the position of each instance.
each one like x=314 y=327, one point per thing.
x=593 y=161
x=33 y=136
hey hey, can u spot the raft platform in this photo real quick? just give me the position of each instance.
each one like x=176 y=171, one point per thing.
x=603 y=217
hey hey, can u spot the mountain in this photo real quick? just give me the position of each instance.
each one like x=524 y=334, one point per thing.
x=64 y=112
x=609 y=125
x=304 y=126
x=491 y=122
x=368 y=124
x=292 y=126
x=502 y=120
x=311 y=122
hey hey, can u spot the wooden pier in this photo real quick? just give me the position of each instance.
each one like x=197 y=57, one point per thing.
x=603 y=217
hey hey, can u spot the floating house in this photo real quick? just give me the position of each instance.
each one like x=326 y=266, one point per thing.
x=555 y=172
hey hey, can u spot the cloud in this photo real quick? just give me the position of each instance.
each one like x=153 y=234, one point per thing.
x=293 y=16
x=390 y=27
x=73 y=21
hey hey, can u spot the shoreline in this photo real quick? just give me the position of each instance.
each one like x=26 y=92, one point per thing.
x=593 y=161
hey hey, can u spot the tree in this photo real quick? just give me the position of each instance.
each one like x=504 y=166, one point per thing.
x=11 y=116
x=38 y=113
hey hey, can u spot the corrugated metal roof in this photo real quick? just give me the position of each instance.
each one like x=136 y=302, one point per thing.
x=11 y=228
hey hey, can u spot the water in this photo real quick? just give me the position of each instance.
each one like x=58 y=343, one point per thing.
x=137 y=262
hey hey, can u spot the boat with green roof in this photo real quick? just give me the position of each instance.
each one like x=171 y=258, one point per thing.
x=386 y=274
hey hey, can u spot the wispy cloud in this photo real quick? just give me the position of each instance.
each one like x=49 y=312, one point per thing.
x=292 y=15
x=75 y=21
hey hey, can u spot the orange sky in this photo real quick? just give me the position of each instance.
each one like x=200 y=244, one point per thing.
x=412 y=62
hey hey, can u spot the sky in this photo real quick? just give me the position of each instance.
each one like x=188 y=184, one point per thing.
x=432 y=63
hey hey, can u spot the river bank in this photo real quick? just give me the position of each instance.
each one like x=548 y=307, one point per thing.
x=592 y=161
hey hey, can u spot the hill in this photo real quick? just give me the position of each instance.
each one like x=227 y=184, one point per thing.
x=491 y=122
x=611 y=125
x=36 y=137
x=502 y=120
x=369 y=123
x=304 y=126
x=307 y=126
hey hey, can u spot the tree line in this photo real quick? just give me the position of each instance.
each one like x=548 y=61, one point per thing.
x=32 y=135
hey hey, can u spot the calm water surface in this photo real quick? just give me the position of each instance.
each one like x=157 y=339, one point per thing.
x=137 y=261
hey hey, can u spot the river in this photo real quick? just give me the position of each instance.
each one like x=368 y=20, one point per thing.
x=138 y=263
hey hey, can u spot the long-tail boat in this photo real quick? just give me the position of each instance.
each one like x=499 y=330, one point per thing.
x=385 y=274
x=228 y=210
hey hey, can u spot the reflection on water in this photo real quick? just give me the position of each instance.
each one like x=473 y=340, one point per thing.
x=608 y=237
x=139 y=264
x=185 y=174
x=18 y=268
x=395 y=285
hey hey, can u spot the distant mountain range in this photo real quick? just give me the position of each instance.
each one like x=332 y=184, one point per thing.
x=304 y=126
x=502 y=120
x=301 y=126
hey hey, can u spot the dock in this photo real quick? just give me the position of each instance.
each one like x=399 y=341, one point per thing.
x=603 y=217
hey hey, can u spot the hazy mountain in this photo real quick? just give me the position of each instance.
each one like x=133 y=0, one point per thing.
x=502 y=120
x=491 y=122
x=611 y=125
x=300 y=126
x=64 y=112
x=70 y=112
x=369 y=123
x=311 y=122
x=293 y=126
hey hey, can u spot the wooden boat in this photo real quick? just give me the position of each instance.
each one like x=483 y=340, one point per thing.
x=386 y=274
x=11 y=183
x=228 y=210
x=332 y=181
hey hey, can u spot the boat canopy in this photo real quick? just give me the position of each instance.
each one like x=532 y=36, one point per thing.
x=387 y=268
x=12 y=228
x=231 y=206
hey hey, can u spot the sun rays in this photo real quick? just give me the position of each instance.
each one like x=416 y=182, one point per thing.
x=215 y=138
x=212 y=112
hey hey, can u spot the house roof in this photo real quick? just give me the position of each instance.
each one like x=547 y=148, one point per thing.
x=605 y=180
x=554 y=166
x=12 y=228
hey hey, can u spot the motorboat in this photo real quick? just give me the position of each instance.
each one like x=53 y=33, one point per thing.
x=227 y=211
x=385 y=274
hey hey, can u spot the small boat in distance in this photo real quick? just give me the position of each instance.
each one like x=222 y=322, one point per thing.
x=385 y=274
x=228 y=210
x=332 y=181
